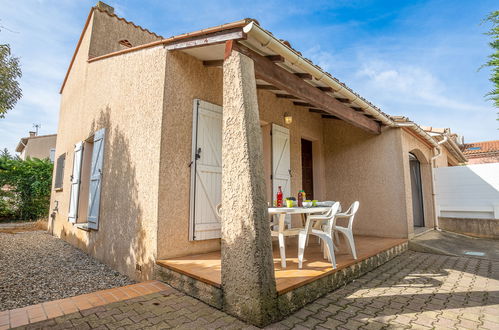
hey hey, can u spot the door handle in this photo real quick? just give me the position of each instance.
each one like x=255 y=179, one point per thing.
x=198 y=154
x=290 y=175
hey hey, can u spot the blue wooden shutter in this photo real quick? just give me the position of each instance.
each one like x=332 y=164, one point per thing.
x=95 y=179
x=75 y=183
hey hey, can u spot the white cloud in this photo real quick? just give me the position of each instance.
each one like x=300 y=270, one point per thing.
x=411 y=84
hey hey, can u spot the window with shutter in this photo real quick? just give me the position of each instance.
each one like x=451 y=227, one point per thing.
x=75 y=183
x=95 y=179
x=59 y=172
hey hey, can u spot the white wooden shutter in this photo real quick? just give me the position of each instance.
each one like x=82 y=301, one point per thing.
x=206 y=171
x=95 y=179
x=75 y=183
x=281 y=162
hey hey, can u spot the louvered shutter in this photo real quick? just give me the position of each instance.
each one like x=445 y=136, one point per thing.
x=95 y=179
x=206 y=171
x=75 y=183
x=281 y=163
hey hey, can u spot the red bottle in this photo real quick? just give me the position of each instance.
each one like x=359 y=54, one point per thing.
x=279 y=197
x=300 y=198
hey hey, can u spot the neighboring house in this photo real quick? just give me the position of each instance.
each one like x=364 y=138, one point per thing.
x=37 y=146
x=482 y=152
x=145 y=152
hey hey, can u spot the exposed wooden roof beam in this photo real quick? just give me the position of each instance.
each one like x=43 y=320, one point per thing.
x=267 y=87
x=357 y=109
x=343 y=100
x=329 y=117
x=317 y=111
x=213 y=63
x=326 y=89
x=306 y=76
x=286 y=96
x=303 y=104
x=286 y=81
x=275 y=58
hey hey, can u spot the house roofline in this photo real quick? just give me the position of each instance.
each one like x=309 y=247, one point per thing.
x=23 y=141
x=83 y=33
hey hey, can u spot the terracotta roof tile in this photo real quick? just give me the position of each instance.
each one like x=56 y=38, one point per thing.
x=484 y=147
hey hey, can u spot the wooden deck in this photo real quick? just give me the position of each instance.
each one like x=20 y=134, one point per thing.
x=207 y=267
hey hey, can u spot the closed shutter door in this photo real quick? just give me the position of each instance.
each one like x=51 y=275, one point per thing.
x=206 y=171
x=75 y=183
x=95 y=179
x=281 y=162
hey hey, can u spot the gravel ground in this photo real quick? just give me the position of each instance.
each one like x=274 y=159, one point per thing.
x=36 y=267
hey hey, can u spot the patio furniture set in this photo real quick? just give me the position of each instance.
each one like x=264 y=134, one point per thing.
x=318 y=221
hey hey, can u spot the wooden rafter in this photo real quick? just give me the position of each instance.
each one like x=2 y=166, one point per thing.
x=306 y=76
x=329 y=117
x=267 y=87
x=303 y=104
x=326 y=89
x=275 y=58
x=343 y=100
x=286 y=96
x=317 y=111
x=286 y=81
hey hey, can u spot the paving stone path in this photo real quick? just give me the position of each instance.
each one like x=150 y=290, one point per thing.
x=414 y=290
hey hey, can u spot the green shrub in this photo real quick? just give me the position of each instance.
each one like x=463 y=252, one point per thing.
x=26 y=186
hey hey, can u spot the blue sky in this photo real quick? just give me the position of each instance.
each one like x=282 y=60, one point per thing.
x=414 y=58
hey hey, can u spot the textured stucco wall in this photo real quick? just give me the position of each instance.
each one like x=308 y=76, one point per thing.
x=39 y=147
x=411 y=144
x=368 y=168
x=103 y=94
x=186 y=80
x=108 y=31
x=446 y=159
x=193 y=80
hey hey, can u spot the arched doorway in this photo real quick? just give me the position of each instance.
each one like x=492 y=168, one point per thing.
x=417 y=191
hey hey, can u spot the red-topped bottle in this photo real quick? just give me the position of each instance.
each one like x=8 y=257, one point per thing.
x=279 y=197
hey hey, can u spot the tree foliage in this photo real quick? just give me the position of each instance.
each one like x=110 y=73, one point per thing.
x=10 y=72
x=25 y=187
x=493 y=61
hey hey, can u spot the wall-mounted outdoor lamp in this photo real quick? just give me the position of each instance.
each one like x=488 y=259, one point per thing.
x=288 y=119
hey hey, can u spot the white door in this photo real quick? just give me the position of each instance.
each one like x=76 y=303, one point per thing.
x=281 y=161
x=75 y=183
x=206 y=171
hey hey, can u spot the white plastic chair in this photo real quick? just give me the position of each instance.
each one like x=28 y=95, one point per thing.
x=347 y=231
x=322 y=223
x=281 y=233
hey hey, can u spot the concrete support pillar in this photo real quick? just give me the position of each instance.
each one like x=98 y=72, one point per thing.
x=248 y=281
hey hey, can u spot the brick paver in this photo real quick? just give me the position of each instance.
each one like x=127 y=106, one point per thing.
x=414 y=290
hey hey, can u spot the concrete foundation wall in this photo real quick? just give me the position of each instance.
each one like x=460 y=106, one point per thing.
x=368 y=168
x=103 y=95
x=484 y=228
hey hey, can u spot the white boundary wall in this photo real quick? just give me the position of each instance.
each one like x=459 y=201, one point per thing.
x=468 y=191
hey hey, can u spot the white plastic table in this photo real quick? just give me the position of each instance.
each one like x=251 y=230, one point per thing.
x=282 y=231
